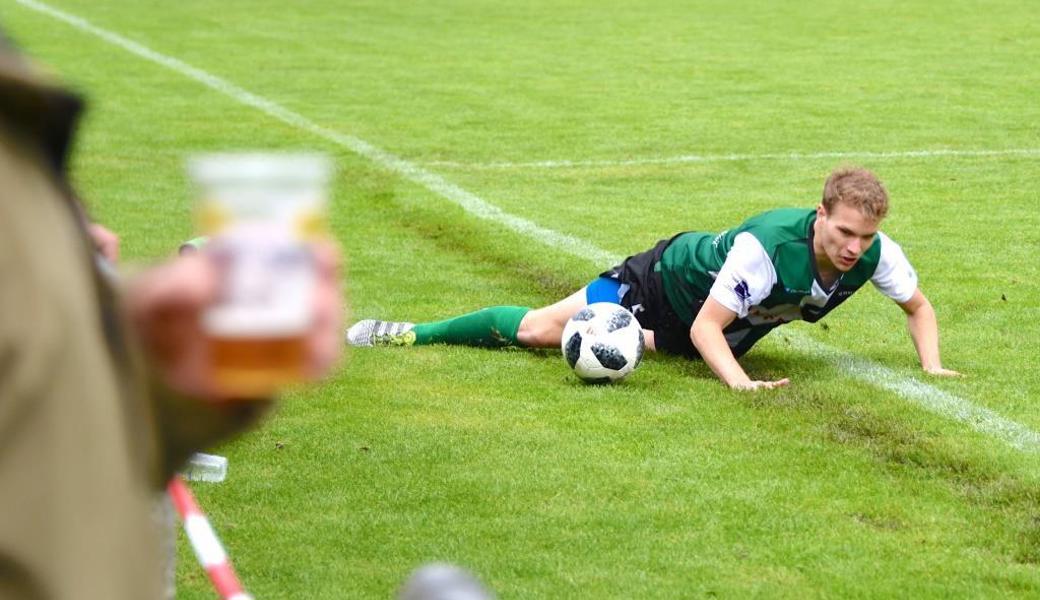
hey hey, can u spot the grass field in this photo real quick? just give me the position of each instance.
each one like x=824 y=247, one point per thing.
x=617 y=124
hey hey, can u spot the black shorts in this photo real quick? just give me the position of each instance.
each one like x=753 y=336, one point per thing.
x=647 y=301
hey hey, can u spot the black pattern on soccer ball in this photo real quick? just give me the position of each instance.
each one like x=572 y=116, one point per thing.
x=573 y=349
x=639 y=350
x=609 y=356
x=585 y=314
x=618 y=319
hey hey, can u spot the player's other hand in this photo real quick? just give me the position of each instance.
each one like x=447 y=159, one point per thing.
x=751 y=386
x=941 y=372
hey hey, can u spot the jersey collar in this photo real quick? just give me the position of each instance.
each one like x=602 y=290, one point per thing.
x=812 y=262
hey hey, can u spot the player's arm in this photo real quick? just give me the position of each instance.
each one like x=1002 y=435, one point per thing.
x=924 y=331
x=743 y=281
x=706 y=334
x=896 y=278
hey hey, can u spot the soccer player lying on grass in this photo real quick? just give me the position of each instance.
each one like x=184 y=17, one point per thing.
x=711 y=297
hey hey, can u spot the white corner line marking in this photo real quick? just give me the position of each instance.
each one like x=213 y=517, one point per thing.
x=713 y=158
x=927 y=396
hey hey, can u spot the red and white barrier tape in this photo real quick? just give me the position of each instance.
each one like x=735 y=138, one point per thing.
x=205 y=543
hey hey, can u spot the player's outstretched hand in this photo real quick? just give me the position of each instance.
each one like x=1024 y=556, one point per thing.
x=941 y=372
x=752 y=386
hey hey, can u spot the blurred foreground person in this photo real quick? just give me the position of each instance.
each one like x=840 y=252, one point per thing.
x=104 y=392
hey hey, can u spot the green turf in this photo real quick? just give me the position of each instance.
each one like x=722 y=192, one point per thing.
x=667 y=485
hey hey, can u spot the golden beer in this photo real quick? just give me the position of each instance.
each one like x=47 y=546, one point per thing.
x=256 y=367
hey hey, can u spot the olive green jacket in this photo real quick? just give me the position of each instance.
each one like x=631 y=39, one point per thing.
x=88 y=437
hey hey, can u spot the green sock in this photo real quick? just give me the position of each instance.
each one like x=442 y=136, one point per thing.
x=490 y=327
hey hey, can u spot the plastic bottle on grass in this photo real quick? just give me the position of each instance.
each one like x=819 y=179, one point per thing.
x=443 y=581
x=206 y=467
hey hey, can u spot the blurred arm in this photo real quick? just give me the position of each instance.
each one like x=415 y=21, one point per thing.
x=105 y=241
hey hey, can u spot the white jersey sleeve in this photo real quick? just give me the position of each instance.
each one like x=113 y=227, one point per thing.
x=747 y=276
x=894 y=277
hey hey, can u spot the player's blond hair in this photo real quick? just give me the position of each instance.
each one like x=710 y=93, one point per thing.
x=858 y=188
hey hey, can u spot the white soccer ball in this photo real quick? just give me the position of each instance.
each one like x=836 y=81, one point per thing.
x=602 y=343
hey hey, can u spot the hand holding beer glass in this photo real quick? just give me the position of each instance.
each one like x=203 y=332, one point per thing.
x=260 y=307
x=265 y=217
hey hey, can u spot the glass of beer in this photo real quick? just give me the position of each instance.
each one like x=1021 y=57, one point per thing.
x=259 y=211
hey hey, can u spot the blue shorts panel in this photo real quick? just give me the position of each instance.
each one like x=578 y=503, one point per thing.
x=604 y=289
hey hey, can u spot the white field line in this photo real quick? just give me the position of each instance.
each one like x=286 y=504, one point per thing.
x=711 y=158
x=927 y=396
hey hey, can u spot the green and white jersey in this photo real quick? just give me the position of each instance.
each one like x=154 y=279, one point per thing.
x=765 y=271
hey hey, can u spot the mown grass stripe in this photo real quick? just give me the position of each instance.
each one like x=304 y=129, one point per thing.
x=923 y=394
x=469 y=202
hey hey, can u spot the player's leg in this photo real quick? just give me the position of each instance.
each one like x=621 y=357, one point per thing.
x=495 y=326
x=490 y=327
x=543 y=327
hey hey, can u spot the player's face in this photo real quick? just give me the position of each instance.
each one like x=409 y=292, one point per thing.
x=844 y=234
